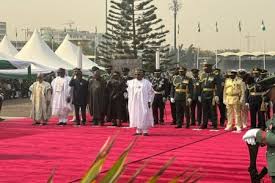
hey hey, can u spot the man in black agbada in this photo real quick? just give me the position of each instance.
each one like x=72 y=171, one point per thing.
x=116 y=98
x=80 y=96
x=97 y=98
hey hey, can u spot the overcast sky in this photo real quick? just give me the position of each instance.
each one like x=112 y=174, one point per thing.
x=90 y=13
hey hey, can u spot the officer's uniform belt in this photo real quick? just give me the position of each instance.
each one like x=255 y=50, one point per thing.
x=233 y=95
x=257 y=93
x=207 y=89
x=181 y=90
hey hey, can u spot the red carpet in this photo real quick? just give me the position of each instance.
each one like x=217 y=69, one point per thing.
x=28 y=153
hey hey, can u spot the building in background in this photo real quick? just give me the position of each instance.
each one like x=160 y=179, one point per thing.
x=3 y=29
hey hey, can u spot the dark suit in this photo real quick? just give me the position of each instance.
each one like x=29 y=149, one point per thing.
x=80 y=96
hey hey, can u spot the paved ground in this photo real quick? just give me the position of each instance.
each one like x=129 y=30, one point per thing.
x=16 y=108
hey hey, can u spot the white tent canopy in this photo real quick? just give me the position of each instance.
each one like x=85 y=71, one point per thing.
x=37 y=51
x=7 y=48
x=69 y=52
x=242 y=54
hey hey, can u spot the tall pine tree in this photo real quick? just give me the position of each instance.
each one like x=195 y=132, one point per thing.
x=133 y=32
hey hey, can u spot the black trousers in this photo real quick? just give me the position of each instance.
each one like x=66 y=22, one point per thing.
x=196 y=115
x=173 y=112
x=158 y=109
x=181 y=110
x=255 y=114
x=83 y=113
x=273 y=179
x=222 y=109
x=209 y=110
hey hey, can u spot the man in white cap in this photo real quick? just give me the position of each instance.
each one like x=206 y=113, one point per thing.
x=61 y=102
x=140 y=98
x=41 y=99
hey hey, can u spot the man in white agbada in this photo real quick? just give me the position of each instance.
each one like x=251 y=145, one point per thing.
x=41 y=99
x=140 y=97
x=61 y=100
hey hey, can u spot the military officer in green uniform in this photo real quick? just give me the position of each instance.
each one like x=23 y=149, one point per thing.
x=196 y=108
x=211 y=88
x=266 y=137
x=221 y=105
x=181 y=95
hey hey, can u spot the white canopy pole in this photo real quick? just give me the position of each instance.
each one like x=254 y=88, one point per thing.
x=79 y=58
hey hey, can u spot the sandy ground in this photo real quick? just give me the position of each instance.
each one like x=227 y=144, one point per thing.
x=16 y=108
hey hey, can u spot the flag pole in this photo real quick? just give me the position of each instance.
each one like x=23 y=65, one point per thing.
x=240 y=58
x=264 y=56
x=16 y=38
x=198 y=51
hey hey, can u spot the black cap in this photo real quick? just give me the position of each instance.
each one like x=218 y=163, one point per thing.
x=125 y=69
x=256 y=70
x=195 y=70
x=94 y=68
x=157 y=71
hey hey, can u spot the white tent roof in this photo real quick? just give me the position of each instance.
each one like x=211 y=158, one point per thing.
x=241 y=54
x=7 y=48
x=37 y=51
x=69 y=52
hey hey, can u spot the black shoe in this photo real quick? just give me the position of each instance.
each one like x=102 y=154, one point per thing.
x=161 y=122
x=193 y=124
x=203 y=127
x=178 y=127
x=187 y=126
x=64 y=123
x=44 y=124
x=145 y=134
x=36 y=123
x=215 y=128
x=59 y=124
x=136 y=134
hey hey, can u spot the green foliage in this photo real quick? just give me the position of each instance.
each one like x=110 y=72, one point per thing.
x=133 y=29
x=114 y=173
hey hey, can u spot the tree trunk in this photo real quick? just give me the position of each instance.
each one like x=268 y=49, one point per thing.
x=134 y=30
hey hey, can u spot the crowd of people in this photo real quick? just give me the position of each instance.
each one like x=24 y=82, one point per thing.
x=196 y=97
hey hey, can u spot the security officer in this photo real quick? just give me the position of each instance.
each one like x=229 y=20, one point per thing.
x=242 y=74
x=125 y=77
x=267 y=137
x=266 y=114
x=196 y=115
x=181 y=94
x=175 y=73
x=233 y=95
x=254 y=100
x=159 y=84
x=221 y=105
x=211 y=87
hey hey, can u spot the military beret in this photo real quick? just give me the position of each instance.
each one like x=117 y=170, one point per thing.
x=267 y=83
